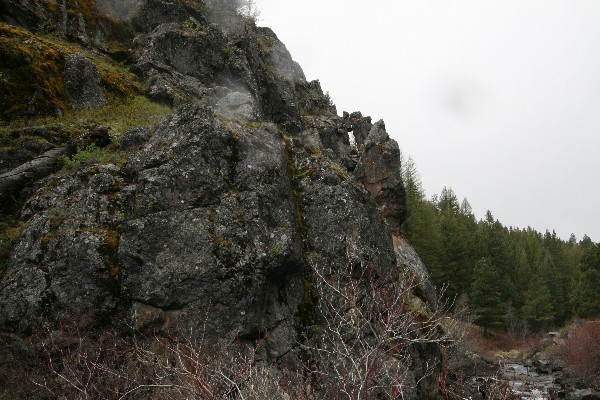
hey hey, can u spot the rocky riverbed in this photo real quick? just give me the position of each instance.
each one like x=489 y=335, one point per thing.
x=527 y=383
x=537 y=378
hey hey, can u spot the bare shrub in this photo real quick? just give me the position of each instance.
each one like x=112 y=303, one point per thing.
x=117 y=366
x=371 y=331
x=582 y=352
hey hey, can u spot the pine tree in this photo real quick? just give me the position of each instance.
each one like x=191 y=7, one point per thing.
x=559 y=274
x=521 y=277
x=591 y=258
x=485 y=301
x=456 y=226
x=538 y=310
x=587 y=294
x=421 y=227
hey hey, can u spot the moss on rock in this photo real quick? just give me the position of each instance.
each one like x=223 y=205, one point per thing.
x=32 y=74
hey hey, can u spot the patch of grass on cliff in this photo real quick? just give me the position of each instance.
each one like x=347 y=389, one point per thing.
x=120 y=115
x=94 y=155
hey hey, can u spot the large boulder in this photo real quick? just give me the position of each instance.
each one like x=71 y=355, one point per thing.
x=82 y=83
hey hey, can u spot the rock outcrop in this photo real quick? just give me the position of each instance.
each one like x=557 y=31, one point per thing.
x=245 y=216
x=42 y=75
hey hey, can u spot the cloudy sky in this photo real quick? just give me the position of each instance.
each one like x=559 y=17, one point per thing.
x=499 y=100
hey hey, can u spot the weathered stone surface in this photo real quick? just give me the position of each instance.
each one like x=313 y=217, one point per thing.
x=40 y=75
x=149 y=14
x=210 y=228
x=235 y=104
x=119 y=9
x=133 y=139
x=312 y=100
x=64 y=263
x=328 y=135
x=23 y=145
x=360 y=126
x=12 y=157
x=378 y=169
x=194 y=53
x=187 y=60
x=30 y=171
x=82 y=83
x=408 y=259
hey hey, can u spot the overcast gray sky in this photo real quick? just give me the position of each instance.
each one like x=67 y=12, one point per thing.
x=498 y=99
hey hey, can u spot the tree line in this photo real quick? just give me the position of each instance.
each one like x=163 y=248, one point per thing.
x=510 y=278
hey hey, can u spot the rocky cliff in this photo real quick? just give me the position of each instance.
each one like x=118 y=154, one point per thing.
x=243 y=219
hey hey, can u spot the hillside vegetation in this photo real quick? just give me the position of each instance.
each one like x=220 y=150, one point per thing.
x=512 y=278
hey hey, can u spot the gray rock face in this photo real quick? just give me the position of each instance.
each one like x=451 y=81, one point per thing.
x=185 y=59
x=236 y=105
x=360 y=126
x=146 y=15
x=378 y=170
x=191 y=53
x=63 y=263
x=583 y=394
x=211 y=228
x=82 y=83
x=119 y=9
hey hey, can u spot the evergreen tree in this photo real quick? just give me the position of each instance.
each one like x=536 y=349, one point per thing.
x=556 y=284
x=455 y=257
x=538 y=310
x=485 y=301
x=498 y=245
x=585 y=243
x=521 y=276
x=590 y=258
x=421 y=227
x=587 y=294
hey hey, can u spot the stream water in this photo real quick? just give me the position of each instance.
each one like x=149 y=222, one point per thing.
x=525 y=382
x=528 y=384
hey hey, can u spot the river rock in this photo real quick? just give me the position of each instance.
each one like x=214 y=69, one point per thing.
x=583 y=394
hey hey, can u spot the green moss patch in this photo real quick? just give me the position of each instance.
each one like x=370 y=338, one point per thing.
x=32 y=69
